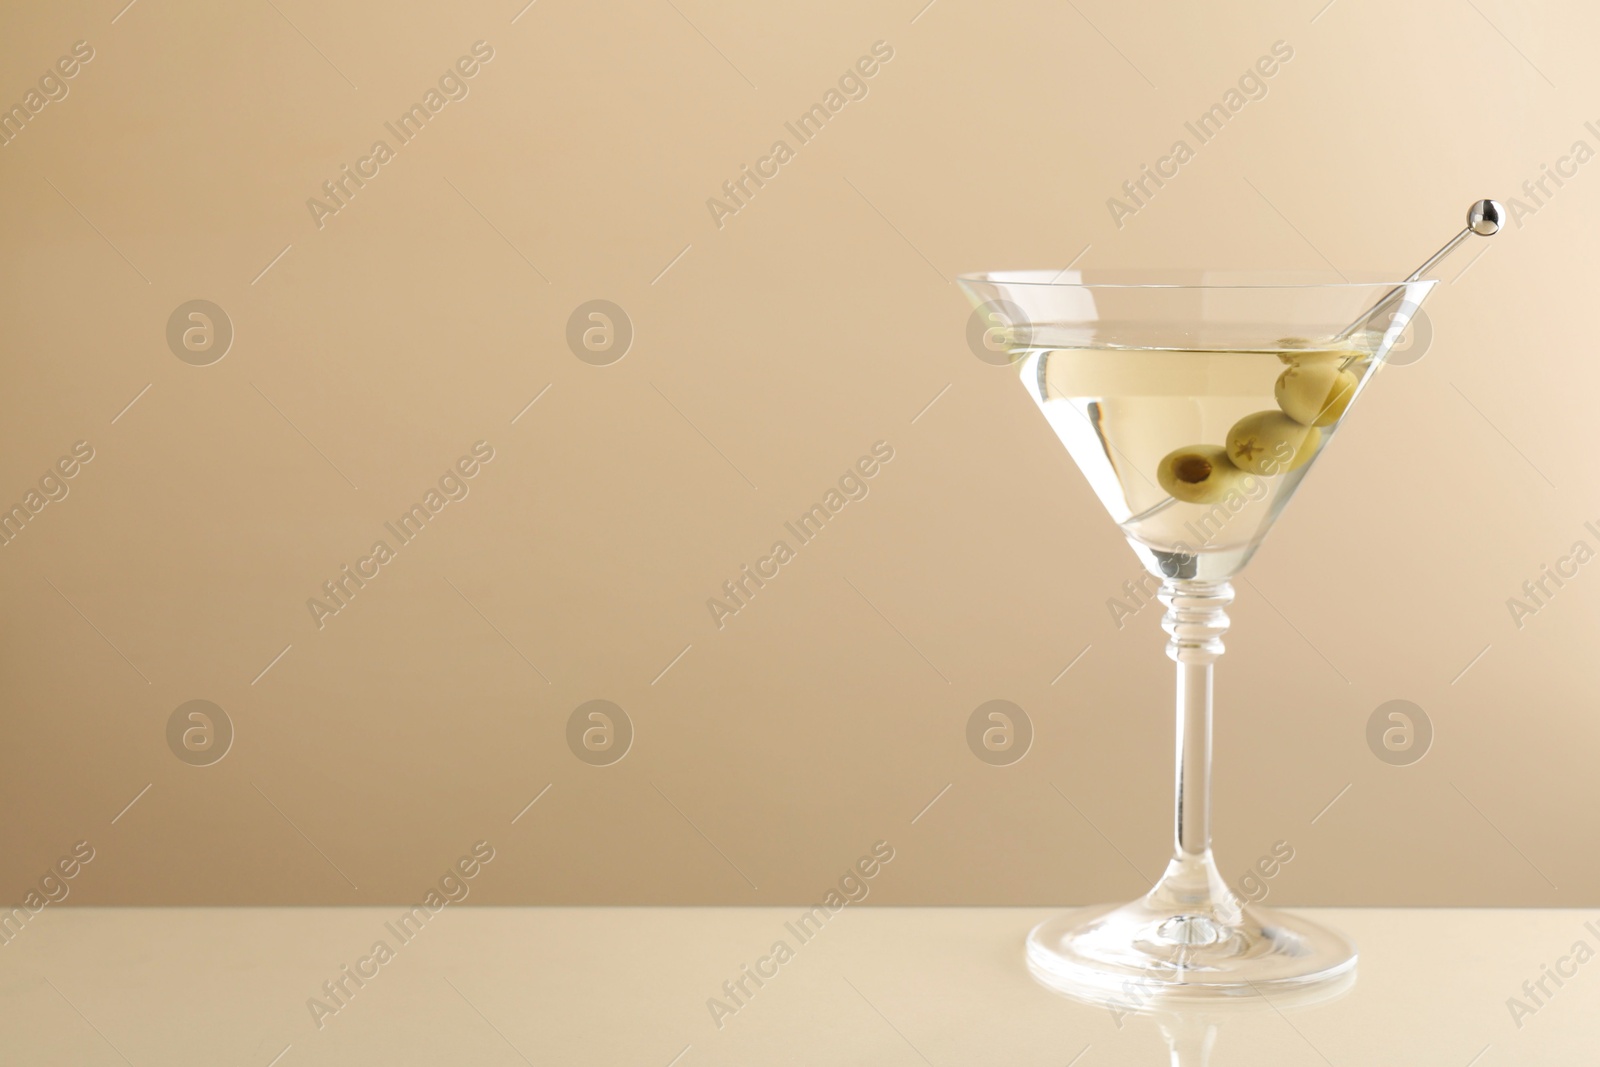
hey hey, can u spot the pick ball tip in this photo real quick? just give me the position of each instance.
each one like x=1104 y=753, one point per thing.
x=1485 y=216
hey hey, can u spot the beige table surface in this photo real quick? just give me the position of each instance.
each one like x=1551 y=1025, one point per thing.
x=937 y=986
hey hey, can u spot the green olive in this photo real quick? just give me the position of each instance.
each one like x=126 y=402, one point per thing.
x=1315 y=394
x=1198 y=474
x=1270 y=442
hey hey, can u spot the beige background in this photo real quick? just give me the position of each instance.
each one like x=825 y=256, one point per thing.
x=827 y=715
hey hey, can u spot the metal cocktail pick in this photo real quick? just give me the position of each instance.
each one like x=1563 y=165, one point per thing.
x=1483 y=219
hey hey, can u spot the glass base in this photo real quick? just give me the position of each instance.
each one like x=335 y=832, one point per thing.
x=1184 y=946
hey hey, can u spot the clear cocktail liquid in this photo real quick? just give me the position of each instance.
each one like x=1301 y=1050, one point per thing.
x=1120 y=411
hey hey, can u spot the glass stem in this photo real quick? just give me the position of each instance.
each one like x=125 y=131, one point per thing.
x=1195 y=622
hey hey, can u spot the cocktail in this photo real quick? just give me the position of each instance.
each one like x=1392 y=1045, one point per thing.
x=1195 y=403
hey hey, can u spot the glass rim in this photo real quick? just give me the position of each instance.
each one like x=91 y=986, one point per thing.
x=1147 y=278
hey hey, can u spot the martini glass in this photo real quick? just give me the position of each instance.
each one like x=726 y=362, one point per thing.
x=1195 y=403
